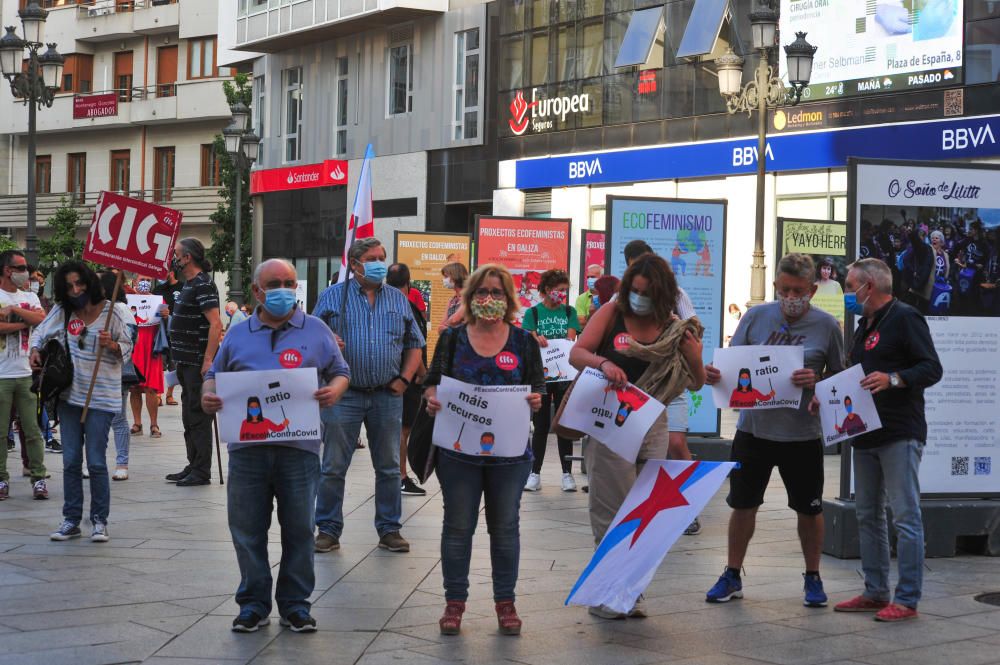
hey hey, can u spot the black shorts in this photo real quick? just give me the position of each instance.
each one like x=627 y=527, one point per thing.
x=800 y=464
x=411 y=403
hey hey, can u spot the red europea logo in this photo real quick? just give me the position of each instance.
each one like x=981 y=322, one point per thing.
x=506 y=361
x=75 y=327
x=871 y=342
x=622 y=340
x=519 y=114
x=290 y=359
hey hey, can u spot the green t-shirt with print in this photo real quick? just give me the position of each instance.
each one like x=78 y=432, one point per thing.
x=551 y=323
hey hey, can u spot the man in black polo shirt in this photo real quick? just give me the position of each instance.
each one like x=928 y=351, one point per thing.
x=195 y=331
x=894 y=346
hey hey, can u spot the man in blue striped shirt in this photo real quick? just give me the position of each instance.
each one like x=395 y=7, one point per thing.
x=374 y=325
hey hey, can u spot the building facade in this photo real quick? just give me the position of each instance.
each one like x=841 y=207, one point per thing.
x=140 y=105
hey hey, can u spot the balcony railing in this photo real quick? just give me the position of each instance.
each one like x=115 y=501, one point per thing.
x=91 y=8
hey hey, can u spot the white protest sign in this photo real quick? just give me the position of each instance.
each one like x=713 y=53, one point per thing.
x=555 y=361
x=757 y=377
x=144 y=308
x=482 y=420
x=268 y=406
x=619 y=419
x=845 y=408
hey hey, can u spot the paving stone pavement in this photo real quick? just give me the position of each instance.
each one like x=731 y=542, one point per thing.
x=161 y=590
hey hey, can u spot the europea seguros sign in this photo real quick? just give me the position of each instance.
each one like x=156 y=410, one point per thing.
x=542 y=113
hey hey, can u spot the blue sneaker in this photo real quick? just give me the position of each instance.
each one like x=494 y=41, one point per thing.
x=815 y=596
x=728 y=587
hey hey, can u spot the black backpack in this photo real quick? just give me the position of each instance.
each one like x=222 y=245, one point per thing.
x=56 y=374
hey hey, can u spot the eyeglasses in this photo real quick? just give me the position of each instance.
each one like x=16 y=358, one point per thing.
x=277 y=284
x=496 y=293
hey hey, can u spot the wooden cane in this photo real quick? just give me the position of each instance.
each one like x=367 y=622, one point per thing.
x=218 y=449
x=100 y=349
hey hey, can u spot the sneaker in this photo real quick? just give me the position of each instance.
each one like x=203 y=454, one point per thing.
x=100 y=533
x=728 y=587
x=85 y=472
x=326 y=543
x=299 y=621
x=66 y=531
x=568 y=484
x=410 y=488
x=393 y=542
x=896 y=612
x=39 y=491
x=861 y=604
x=638 y=610
x=815 y=596
x=450 y=622
x=4 y=490
x=534 y=483
x=693 y=529
x=605 y=612
x=53 y=446
x=249 y=622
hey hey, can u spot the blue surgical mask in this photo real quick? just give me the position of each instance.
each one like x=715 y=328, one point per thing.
x=591 y=281
x=848 y=408
x=744 y=382
x=853 y=305
x=254 y=411
x=279 y=302
x=375 y=271
x=641 y=305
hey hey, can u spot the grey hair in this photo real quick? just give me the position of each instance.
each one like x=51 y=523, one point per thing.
x=797 y=265
x=877 y=272
x=359 y=247
x=259 y=270
x=937 y=234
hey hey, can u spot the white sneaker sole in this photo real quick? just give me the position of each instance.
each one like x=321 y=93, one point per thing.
x=304 y=629
x=603 y=613
x=736 y=595
x=99 y=539
x=60 y=538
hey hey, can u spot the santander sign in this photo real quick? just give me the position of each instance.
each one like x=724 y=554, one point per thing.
x=540 y=114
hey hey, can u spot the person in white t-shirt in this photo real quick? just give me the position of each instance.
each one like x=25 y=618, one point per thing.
x=20 y=311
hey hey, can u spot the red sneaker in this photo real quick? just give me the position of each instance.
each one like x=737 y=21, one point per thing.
x=507 y=619
x=896 y=612
x=451 y=621
x=861 y=604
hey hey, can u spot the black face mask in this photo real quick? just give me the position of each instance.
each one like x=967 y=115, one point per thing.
x=80 y=301
x=176 y=266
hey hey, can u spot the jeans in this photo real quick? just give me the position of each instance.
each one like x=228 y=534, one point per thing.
x=91 y=436
x=197 y=424
x=382 y=414
x=890 y=471
x=543 y=423
x=123 y=436
x=463 y=482
x=16 y=393
x=257 y=476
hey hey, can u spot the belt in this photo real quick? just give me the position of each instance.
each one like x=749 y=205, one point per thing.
x=368 y=391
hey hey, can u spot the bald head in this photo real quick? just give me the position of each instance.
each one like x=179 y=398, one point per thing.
x=274 y=270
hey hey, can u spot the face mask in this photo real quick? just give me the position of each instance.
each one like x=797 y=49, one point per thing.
x=489 y=308
x=279 y=302
x=253 y=411
x=80 y=301
x=744 y=382
x=641 y=305
x=35 y=287
x=448 y=284
x=176 y=266
x=375 y=271
x=558 y=297
x=852 y=305
x=591 y=282
x=144 y=286
x=793 y=308
x=20 y=279
x=849 y=408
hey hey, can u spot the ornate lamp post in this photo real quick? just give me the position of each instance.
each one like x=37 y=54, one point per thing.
x=765 y=91
x=36 y=85
x=243 y=146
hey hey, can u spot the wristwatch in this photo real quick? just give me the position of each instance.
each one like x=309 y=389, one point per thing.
x=894 y=380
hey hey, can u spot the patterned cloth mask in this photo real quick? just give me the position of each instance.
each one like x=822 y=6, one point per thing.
x=489 y=308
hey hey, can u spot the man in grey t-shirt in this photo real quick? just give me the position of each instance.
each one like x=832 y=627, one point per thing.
x=790 y=439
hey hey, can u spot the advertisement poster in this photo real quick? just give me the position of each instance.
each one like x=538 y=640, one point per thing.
x=691 y=236
x=144 y=308
x=482 y=420
x=901 y=209
x=826 y=243
x=555 y=361
x=268 y=406
x=527 y=247
x=426 y=254
x=592 y=249
x=758 y=377
x=617 y=418
x=871 y=47
x=845 y=408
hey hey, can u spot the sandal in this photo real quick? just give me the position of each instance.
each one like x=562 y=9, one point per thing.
x=154 y=432
x=171 y=401
x=136 y=429
x=159 y=401
x=121 y=473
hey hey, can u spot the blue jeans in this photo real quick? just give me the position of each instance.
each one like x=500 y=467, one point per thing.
x=91 y=436
x=382 y=414
x=257 y=476
x=463 y=481
x=123 y=436
x=890 y=471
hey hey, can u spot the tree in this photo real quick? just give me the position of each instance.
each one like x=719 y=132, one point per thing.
x=6 y=242
x=63 y=243
x=223 y=219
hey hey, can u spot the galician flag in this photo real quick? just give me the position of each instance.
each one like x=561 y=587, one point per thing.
x=362 y=224
x=665 y=498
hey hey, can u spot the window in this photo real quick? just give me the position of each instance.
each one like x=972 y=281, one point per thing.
x=201 y=58
x=590 y=49
x=43 y=174
x=982 y=51
x=400 y=79
x=466 y=118
x=123 y=75
x=260 y=104
x=511 y=62
x=540 y=58
x=120 y=165
x=703 y=28
x=211 y=173
x=78 y=73
x=293 y=113
x=637 y=48
x=76 y=185
x=341 y=136
x=163 y=174
x=166 y=71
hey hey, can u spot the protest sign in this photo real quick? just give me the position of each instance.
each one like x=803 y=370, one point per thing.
x=845 y=408
x=482 y=420
x=617 y=418
x=144 y=308
x=269 y=406
x=592 y=253
x=664 y=500
x=758 y=377
x=132 y=235
x=555 y=361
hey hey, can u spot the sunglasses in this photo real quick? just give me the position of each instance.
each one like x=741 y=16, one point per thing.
x=496 y=293
x=81 y=337
x=18 y=268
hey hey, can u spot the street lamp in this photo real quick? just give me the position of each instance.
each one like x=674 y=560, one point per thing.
x=243 y=147
x=36 y=86
x=765 y=91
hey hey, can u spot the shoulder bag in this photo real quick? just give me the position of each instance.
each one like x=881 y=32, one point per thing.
x=56 y=374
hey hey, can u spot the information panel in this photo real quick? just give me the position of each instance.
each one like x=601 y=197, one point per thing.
x=826 y=243
x=870 y=47
x=691 y=236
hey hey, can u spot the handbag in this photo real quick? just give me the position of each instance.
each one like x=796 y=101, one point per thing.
x=421 y=452
x=56 y=374
x=161 y=343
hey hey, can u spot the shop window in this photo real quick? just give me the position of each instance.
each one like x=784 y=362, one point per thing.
x=211 y=168
x=342 y=81
x=703 y=28
x=466 y=118
x=982 y=51
x=43 y=174
x=638 y=47
x=76 y=185
x=292 y=113
x=400 y=79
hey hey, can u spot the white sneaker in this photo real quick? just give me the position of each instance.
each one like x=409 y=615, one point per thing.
x=100 y=533
x=534 y=483
x=605 y=612
x=568 y=484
